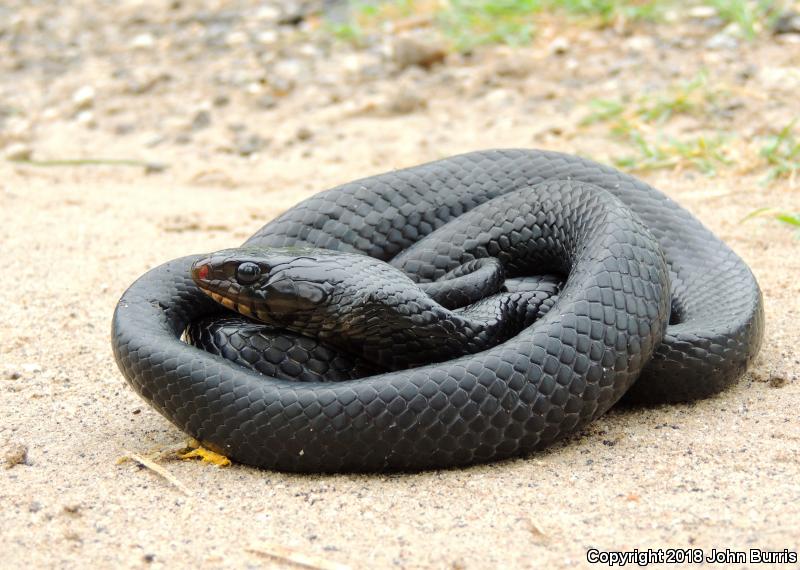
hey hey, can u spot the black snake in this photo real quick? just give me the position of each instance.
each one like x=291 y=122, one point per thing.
x=648 y=293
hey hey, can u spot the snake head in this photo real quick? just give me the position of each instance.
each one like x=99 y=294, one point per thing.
x=278 y=286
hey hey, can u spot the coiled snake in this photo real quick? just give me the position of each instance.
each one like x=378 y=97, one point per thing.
x=648 y=293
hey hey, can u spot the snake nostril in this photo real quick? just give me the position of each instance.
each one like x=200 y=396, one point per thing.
x=202 y=271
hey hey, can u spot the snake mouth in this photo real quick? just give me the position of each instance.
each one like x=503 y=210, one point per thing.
x=229 y=303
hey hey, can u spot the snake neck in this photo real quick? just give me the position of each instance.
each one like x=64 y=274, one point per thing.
x=405 y=329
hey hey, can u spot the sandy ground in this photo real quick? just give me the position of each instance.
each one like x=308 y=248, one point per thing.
x=720 y=473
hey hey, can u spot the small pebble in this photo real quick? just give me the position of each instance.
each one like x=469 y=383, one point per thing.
x=292 y=14
x=18 y=152
x=639 y=43
x=788 y=23
x=408 y=51
x=267 y=37
x=31 y=367
x=221 y=100
x=304 y=134
x=15 y=454
x=513 y=66
x=83 y=98
x=73 y=509
x=268 y=13
x=155 y=140
x=776 y=380
x=286 y=74
x=154 y=167
x=779 y=377
x=266 y=102
x=124 y=129
x=559 y=46
x=702 y=12
x=143 y=41
x=722 y=41
x=249 y=144
x=86 y=118
x=201 y=120
x=404 y=102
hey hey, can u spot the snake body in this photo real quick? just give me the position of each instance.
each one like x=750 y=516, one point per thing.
x=649 y=294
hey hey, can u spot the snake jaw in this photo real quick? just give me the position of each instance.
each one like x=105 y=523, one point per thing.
x=224 y=301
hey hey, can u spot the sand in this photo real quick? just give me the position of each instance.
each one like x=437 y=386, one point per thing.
x=718 y=473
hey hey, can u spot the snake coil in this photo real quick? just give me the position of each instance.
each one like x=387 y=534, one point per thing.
x=654 y=307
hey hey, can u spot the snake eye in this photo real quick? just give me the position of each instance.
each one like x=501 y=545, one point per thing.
x=247 y=273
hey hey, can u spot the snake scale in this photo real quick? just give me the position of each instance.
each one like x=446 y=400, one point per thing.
x=653 y=307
